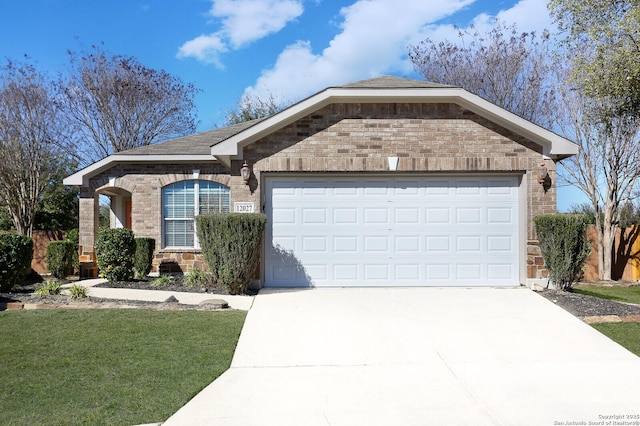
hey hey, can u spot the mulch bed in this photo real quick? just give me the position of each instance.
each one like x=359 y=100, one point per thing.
x=23 y=297
x=177 y=285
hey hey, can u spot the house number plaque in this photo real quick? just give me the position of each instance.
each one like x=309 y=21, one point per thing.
x=243 y=207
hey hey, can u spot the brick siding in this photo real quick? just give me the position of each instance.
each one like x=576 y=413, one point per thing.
x=427 y=138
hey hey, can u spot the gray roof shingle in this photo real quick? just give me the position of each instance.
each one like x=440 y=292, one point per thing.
x=391 y=82
x=201 y=143
x=196 y=144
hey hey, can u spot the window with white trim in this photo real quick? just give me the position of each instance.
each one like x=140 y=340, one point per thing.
x=184 y=200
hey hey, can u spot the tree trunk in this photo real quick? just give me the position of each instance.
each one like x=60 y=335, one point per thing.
x=608 y=238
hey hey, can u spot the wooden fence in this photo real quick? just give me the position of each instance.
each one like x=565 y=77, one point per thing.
x=626 y=255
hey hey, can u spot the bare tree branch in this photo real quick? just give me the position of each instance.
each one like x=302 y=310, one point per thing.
x=114 y=103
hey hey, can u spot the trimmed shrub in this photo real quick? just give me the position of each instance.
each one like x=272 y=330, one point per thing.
x=74 y=236
x=60 y=258
x=231 y=246
x=564 y=246
x=16 y=252
x=115 y=249
x=143 y=256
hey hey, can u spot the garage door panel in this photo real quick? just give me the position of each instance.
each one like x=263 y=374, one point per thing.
x=468 y=215
x=410 y=215
x=346 y=244
x=345 y=272
x=438 y=244
x=345 y=215
x=469 y=243
x=375 y=216
x=315 y=244
x=499 y=271
x=376 y=244
x=376 y=272
x=407 y=244
x=500 y=215
x=392 y=231
x=439 y=215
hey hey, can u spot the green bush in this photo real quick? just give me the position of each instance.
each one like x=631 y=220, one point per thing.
x=564 y=246
x=144 y=256
x=197 y=278
x=74 y=236
x=231 y=246
x=115 y=249
x=60 y=258
x=77 y=291
x=16 y=252
x=49 y=288
x=163 y=281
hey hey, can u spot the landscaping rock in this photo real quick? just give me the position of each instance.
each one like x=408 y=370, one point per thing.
x=598 y=319
x=214 y=304
x=171 y=299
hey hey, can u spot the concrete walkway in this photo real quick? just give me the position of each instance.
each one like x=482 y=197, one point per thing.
x=235 y=302
x=384 y=356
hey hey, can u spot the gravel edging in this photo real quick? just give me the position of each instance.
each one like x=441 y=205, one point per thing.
x=592 y=309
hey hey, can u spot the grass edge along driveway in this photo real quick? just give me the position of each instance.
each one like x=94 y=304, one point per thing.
x=626 y=334
x=116 y=367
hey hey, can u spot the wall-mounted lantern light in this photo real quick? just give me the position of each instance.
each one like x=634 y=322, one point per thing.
x=245 y=171
x=543 y=173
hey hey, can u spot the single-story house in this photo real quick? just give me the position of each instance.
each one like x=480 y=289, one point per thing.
x=382 y=182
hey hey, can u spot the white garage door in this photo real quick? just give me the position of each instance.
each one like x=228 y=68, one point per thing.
x=390 y=231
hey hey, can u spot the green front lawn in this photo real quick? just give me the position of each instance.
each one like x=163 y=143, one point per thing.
x=622 y=294
x=625 y=333
x=116 y=367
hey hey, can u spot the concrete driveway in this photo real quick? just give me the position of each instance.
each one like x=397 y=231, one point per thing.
x=417 y=356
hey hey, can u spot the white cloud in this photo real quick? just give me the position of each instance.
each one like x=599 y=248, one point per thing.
x=205 y=48
x=243 y=22
x=373 y=41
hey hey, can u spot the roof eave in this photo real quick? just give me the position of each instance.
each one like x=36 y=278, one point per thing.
x=81 y=177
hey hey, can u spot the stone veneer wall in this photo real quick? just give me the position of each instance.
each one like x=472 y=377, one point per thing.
x=428 y=138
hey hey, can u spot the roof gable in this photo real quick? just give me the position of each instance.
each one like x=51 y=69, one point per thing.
x=227 y=143
x=389 y=89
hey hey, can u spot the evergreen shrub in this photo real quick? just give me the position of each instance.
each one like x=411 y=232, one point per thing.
x=115 y=250
x=60 y=258
x=564 y=246
x=144 y=256
x=16 y=252
x=230 y=243
x=74 y=236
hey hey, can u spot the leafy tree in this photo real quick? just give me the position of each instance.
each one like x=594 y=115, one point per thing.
x=30 y=137
x=6 y=223
x=629 y=213
x=514 y=70
x=114 y=103
x=601 y=99
x=604 y=40
x=606 y=167
x=253 y=107
x=57 y=209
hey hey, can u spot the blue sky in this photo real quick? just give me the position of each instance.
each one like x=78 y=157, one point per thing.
x=227 y=48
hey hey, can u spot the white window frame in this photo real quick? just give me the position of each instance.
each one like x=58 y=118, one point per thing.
x=196 y=211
